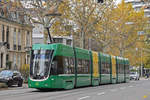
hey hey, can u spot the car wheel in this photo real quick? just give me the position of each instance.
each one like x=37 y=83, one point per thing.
x=20 y=83
x=9 y=84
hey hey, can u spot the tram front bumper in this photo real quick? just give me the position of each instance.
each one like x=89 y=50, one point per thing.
x=39 y=84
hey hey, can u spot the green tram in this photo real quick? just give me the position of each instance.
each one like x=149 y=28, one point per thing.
x=59 y=66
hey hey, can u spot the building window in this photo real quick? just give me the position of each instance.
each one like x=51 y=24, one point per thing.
x=7 y=34
x=1 y=60
x=3 y=33
x=28 y=39
x=19 y=40
x=7 y=37
x=1 y=12
x=28 y=59
x=14 y=38
x=7 y=57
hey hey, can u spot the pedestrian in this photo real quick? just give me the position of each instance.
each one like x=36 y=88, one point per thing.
x=147 y=75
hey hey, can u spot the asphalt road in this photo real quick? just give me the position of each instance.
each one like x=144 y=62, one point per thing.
x=134 y=90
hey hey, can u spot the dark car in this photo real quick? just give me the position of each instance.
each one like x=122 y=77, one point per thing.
x=11 y=78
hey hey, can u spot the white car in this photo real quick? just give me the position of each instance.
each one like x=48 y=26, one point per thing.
x=134 y=76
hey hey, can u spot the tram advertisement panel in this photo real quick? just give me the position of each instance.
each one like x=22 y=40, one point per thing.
x=95 y=64
x=113 y=67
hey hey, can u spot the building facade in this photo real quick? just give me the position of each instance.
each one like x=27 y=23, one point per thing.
x=18 y=40
x=15 y=35
x=138 y=4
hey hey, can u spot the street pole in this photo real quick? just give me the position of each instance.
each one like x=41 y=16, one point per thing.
x=141 y=64
x=50 y=38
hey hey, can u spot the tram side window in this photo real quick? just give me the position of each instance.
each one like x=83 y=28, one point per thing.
x=104 y=68
x=127 y=69
x=86 y=66
x=83 y=66
x=62 y=65
x=79 y=69
x=122 y=68
x=119 y=69
x=72 y=65
x=108 y=68
x=68 y=65
x=57 y=65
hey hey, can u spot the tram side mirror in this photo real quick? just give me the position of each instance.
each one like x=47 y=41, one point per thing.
x=54 y=68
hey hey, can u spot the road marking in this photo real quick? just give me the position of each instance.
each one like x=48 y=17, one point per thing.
x=83 y=97
x=102 y=93
x=113 y=90
x=122 y=88
x=130 y=86
x=144 y=96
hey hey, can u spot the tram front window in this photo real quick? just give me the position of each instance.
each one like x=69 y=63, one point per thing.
x=40 y=63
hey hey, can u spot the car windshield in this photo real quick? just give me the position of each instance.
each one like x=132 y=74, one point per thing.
x=40 y=63
x=6 y=73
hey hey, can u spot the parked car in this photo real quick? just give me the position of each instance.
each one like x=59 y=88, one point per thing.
x=134 y=76
x=11 y=78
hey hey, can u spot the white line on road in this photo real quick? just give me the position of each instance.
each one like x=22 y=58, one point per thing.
x=102 y=93
x=83 y=97
x=113 y=90
x=130 y=86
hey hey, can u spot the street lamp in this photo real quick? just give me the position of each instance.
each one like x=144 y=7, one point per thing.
x=141 y=63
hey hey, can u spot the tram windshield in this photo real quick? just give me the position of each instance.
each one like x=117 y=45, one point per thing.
x=40 y=63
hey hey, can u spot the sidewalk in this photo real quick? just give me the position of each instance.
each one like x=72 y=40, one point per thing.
x=143 y=78
x=25 y=85
x=3 y=86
